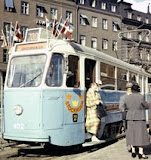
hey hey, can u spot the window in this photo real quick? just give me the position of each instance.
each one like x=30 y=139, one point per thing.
x=107 y=73
x=26 y=71
x=5 y=56
x=146 y=20
x=84 y=20
x=104 y=24
x=6 y=29
x=113 y=8
x=93 y=3
x=104 y=44
x=121 y=79
x=147 y=38
x=24 y=8
x=114 y=46
x=94 y=43
x=94 y=22
x=140 y=36
x=23 y=30
x=139 y=18
x=54 y=13
x=73 y=79
x=149 y=85
x=55 y=71
x=129 y=35
x=129 y=15
x=82 y=40
x=82 y=1
x=40 y=11
x=103 y=6
x=69 y=16
x=9 y=6
x=132 y=77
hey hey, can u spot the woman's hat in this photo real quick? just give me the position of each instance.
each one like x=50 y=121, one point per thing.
x=136 y=87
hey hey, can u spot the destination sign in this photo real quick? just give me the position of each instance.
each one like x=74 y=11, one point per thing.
x=33 y=46
x=32 y=35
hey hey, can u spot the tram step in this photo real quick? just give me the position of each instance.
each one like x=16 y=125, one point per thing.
x=87 y=144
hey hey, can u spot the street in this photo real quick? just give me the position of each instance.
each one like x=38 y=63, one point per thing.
x=111 y=151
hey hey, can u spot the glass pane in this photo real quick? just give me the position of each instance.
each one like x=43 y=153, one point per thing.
x=26 y=71
x=55 y=71
x=121 y=79
x=107 y=76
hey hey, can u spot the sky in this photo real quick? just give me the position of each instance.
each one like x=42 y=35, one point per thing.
x=140 y=5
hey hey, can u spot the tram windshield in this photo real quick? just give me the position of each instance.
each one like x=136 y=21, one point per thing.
x=26 y=71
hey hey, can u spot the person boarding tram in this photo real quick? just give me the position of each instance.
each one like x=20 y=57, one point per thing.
x=92 y=100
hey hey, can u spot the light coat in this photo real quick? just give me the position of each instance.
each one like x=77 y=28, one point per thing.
x=92 y=121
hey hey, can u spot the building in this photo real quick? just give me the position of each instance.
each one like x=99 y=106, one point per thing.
x=136 y=37
x=98 y=25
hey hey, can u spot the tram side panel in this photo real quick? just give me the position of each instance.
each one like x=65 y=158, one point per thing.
x=63 y=116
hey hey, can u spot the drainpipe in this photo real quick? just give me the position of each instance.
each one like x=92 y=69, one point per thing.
x=77 y=39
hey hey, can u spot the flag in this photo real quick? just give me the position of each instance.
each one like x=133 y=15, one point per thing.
x=60 y=27
x=68 y=30
x=54 y=26
x=4 y=44
x=11 y=34
x=48 y=23
x=18 y=32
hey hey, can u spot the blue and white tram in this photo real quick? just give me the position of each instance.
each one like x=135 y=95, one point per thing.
x=44 y=93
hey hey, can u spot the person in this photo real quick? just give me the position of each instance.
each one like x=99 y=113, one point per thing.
x=92 y=100
x=136 y=132
x=128 y=92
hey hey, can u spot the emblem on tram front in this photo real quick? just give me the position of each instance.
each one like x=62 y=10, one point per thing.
x=74 y=103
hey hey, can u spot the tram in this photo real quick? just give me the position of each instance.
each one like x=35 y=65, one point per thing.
x=45 y=88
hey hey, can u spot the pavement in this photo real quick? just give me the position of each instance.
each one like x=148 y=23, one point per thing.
x=114 y=151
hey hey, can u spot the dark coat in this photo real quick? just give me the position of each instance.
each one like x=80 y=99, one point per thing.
x=136 y=132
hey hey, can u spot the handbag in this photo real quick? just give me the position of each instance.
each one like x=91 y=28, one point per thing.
x=101 y=112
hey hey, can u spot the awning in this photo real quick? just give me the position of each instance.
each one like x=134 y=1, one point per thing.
x=117 y=25
x=86 y=18
x=83 y=16
x=44 y=10
x=9 y=3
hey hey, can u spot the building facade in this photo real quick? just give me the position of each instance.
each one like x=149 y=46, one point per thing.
x=105 y=25
x=136 y=37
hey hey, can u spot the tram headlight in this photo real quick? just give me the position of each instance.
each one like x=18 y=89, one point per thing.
x=18 y=110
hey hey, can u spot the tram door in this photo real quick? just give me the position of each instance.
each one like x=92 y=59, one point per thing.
x=89 y=72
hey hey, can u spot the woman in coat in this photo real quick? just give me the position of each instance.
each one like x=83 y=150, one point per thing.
x=136 y=132
x=92 y=121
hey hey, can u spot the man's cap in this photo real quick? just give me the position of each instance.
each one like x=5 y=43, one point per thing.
x=129 y=85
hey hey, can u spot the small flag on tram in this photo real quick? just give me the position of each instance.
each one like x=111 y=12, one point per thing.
x=48 y=23
x=4 y=44
x=18 y=32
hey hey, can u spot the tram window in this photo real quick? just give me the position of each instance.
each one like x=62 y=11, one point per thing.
x=26 y=71
x=132 y=77
x=107 y=76
x=73 y=72
x=121 y=79
x=149 y=85
x=55 y=71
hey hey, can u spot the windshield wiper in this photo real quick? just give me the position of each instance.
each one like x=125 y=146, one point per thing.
x=24 y=84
